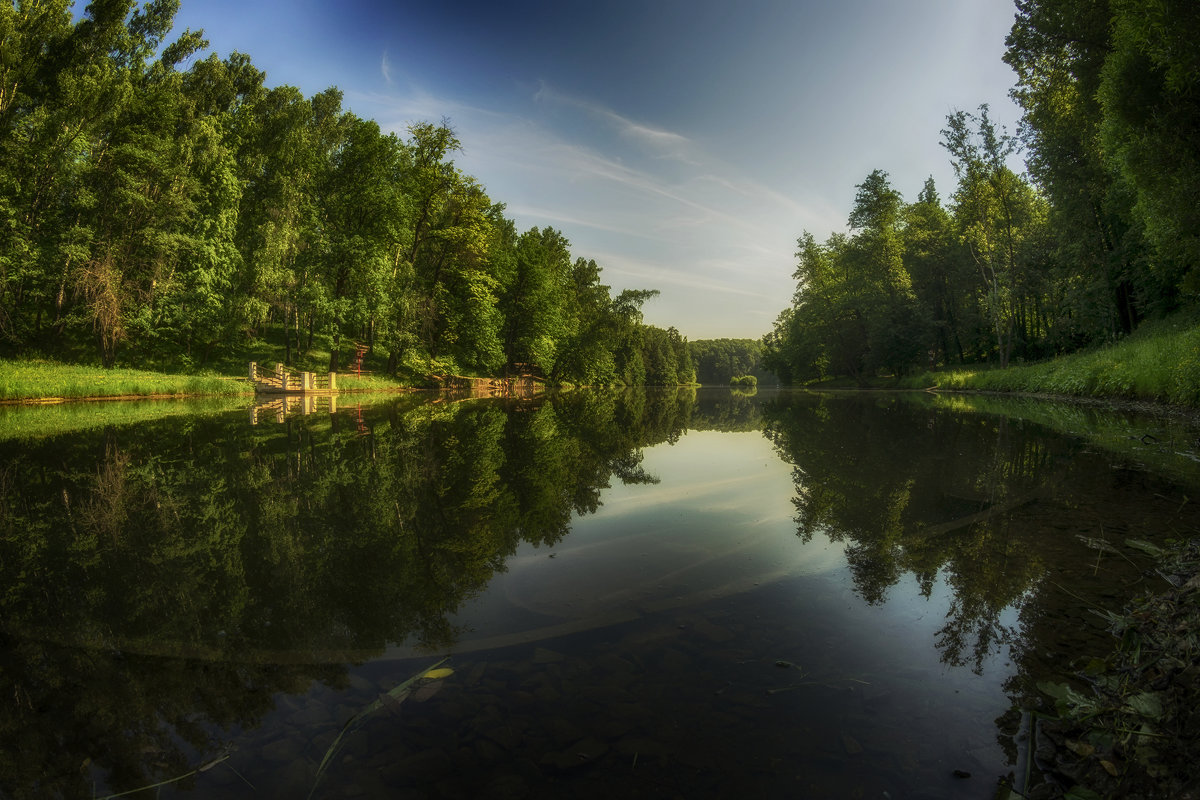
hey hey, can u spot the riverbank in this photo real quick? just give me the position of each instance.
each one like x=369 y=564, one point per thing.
x=50 y=381
x=1159 y=363
x=1127 y=726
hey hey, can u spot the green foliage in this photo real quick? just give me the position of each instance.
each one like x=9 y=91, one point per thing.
x=1150 y=127
x=158 y=207
x=1160 y=362
x=1100 y=237
x=41 y=379
x=857 y=310
x=719 y=360
x=746 y=381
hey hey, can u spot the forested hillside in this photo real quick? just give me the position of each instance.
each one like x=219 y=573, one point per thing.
x=162 y=206
x=1102 y=232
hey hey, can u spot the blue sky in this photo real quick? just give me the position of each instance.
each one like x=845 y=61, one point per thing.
x=683 y=145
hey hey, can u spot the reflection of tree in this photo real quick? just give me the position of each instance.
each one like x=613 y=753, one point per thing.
x=922 y=492
x=724 y=410
x=156 y=577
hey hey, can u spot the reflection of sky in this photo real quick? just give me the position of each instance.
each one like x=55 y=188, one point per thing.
x=719 y=522
x=716 y=531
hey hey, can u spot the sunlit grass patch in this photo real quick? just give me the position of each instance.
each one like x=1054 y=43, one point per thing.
x=29 y=380
x=1159 y=363
x=349 y=382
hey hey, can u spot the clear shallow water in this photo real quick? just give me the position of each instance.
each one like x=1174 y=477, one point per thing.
x=615 y=580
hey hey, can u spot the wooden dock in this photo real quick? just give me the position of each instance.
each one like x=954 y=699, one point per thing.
x=284 y=380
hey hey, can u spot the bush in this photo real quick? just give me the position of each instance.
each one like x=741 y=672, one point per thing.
x=744 y=381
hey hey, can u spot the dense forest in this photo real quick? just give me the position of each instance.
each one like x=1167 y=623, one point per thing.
x=719 y=361
x=1102 y=232
x=161 y=207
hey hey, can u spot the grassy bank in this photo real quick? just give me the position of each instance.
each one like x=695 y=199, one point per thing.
x=1159 y=363
x=27 y=380
x=40 y=380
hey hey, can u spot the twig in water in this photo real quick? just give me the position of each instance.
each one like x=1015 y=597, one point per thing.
x=202 y=768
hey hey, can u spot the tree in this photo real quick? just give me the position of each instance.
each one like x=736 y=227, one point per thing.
x=533 y=299
x=1058 y=50
x=1151 y=128
x=364 y=212
x=456 y=285
x=995 y=210
x=586 y=355
x=941 y=285
x=879 y=285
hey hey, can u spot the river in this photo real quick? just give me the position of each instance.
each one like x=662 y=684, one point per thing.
x=693 y=593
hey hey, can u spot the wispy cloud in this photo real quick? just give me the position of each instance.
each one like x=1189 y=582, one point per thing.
x=561 y=218
x=656 y=137
x=385 y=68
x=692 y=275
x=652 y=206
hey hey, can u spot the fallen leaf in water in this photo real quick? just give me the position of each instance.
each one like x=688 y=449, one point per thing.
x=427 y=691
x=1081 y=748
x=1146 y=547
x=435 y=674
x=391 y=703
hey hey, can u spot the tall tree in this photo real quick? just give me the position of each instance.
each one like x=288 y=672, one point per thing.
x=1058 y=50
x=942 y=286
x=879 y=284
x=533 y=299
x=1150 y=96
x=995 y=209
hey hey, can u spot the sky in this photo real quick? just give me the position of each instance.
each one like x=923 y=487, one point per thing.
x=684 y=145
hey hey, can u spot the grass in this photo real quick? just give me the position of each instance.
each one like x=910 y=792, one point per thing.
x=38 y=379
x=1159 y=363
x=347 y=382
x=44 y=380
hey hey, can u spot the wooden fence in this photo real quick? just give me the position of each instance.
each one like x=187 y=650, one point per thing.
x=285 y=380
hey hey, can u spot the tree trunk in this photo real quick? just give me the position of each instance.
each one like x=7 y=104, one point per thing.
x=287 y=340
x=333 y=352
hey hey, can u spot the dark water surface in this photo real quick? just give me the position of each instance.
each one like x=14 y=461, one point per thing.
x=684 y=594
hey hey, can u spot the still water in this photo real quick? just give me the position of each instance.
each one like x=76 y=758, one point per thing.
x=684 y=594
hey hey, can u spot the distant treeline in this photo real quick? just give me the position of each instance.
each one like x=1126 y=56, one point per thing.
x=719 y=361
x=152 y=212
x=1102 y=233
